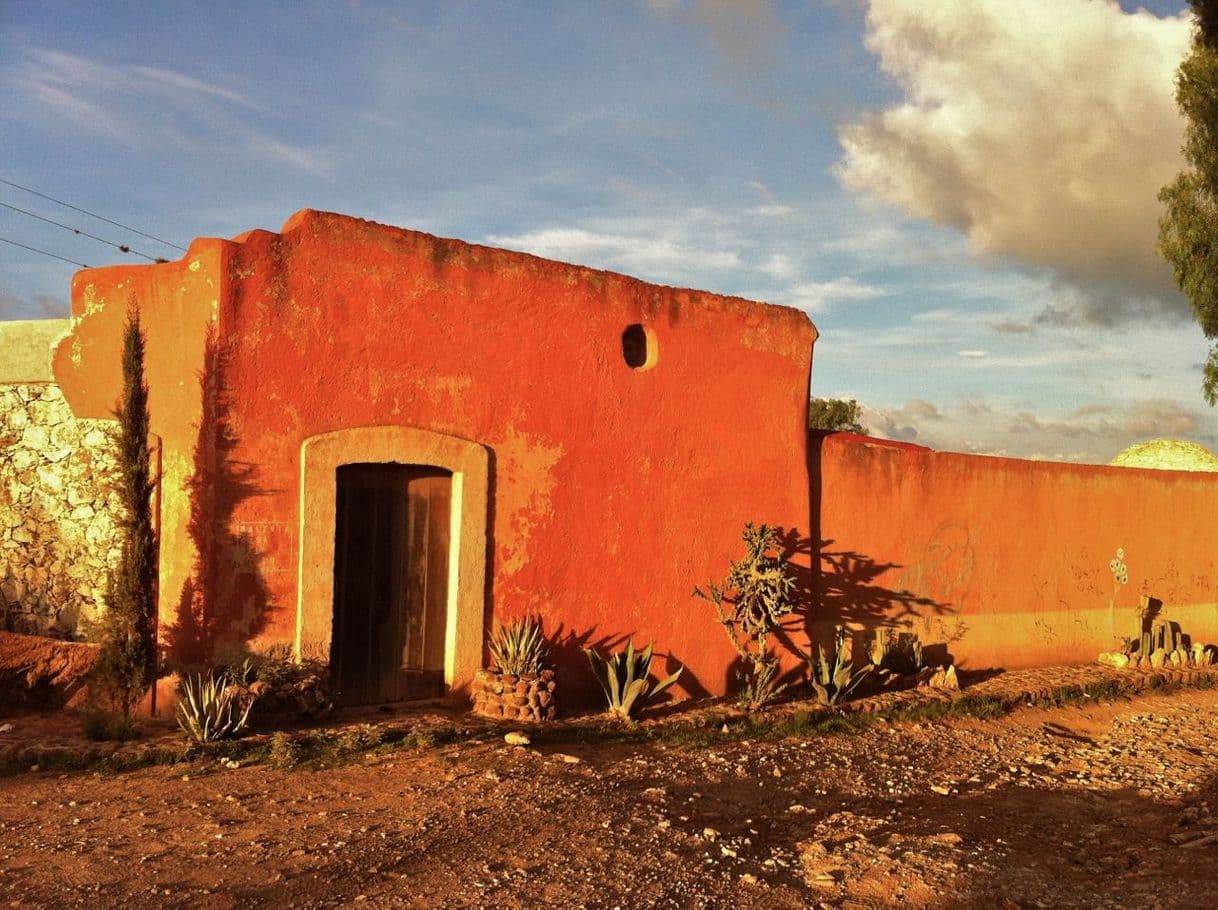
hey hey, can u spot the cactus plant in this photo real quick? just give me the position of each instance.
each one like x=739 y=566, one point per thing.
x=625 y=678
x=208 y=708
x=761 y=687
x=518 y=648
x=750 y=605
x=834 y=679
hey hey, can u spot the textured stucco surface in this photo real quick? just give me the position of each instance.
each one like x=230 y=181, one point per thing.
x=612 y=490
x=25 y=349
x=1004 y=560
x=59 y=513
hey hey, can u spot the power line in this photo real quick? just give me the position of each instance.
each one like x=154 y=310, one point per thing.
x=90 y=214
x=45 y=253
x=122 y=247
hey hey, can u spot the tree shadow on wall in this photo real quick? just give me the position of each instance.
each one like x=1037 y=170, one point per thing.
x=847 y=589
x=225 y=603
x=843 y=588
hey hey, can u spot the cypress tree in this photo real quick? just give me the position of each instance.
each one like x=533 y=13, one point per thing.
x=1188 y=227
x=127 y=663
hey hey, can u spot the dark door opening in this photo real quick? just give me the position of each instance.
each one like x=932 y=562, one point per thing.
x=390 y=582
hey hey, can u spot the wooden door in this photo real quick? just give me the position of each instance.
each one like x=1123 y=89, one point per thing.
x=390 y=582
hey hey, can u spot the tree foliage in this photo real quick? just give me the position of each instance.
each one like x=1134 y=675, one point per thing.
x=1188 y=227
x=126 y=665
x=835 y=414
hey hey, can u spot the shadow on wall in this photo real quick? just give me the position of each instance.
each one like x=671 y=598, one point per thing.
x=579 y=688
x=843 y=586
x=225 y=603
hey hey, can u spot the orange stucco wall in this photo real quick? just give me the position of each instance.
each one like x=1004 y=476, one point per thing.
x=1005 y=561
x=612 y=490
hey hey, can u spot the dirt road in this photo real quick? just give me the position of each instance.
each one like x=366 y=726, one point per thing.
x=1108 y=805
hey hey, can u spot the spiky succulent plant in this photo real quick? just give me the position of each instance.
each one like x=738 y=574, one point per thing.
x=625 y=678
x=210 y=707
x=518 y=648
x=833 y=678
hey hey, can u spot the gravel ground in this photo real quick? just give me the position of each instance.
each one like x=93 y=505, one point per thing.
x=1107 y=805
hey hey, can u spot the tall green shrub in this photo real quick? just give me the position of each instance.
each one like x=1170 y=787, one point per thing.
x=126 y=666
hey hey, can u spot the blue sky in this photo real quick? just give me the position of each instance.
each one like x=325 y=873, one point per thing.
x=964 y=204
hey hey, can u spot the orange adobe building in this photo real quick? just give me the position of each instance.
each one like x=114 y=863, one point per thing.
x=585 y=447
x=376 y=444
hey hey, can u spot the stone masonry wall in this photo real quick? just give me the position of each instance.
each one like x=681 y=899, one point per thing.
x=58 y=508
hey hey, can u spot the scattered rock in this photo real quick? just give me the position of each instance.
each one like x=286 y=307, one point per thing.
x=1118 y=659
x=516 y=738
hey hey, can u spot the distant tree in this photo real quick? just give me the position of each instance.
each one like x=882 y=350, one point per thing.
x=835 y=414
x=127 y=663
x=1188 y=227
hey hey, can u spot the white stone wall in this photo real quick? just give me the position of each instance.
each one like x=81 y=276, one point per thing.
x=58 y=507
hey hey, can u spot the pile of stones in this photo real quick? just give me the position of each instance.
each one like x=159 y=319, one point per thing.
x=528 y=697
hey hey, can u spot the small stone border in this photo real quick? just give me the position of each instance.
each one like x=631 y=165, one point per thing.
x=1045 y=685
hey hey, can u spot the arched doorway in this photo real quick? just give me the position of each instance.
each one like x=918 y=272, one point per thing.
x=393 y=560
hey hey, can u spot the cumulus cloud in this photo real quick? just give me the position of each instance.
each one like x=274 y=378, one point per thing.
x=1092 y=433
x=899 y=423
x=1043 y=136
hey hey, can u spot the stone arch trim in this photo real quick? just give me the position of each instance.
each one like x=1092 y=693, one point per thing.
x=320 y=458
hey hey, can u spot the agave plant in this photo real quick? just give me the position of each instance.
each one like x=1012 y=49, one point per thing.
x=761 y=686
x=209 y=708
x=518 y=648
x=898 y=653
x=834 y=679
x=626 y=679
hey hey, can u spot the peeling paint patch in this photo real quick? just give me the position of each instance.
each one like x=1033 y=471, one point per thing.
x=92 y=303
x=525 y=483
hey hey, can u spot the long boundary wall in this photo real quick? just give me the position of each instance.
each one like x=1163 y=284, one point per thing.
x=1006 y=562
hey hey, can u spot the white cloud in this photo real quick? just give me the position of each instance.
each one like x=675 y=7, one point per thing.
x=780 y=267
x=651 y=254
x=144 y=106
x=973 y=353
x=772 y=211
x=817 y=296
x=1094 y=432
x=1044 y=136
